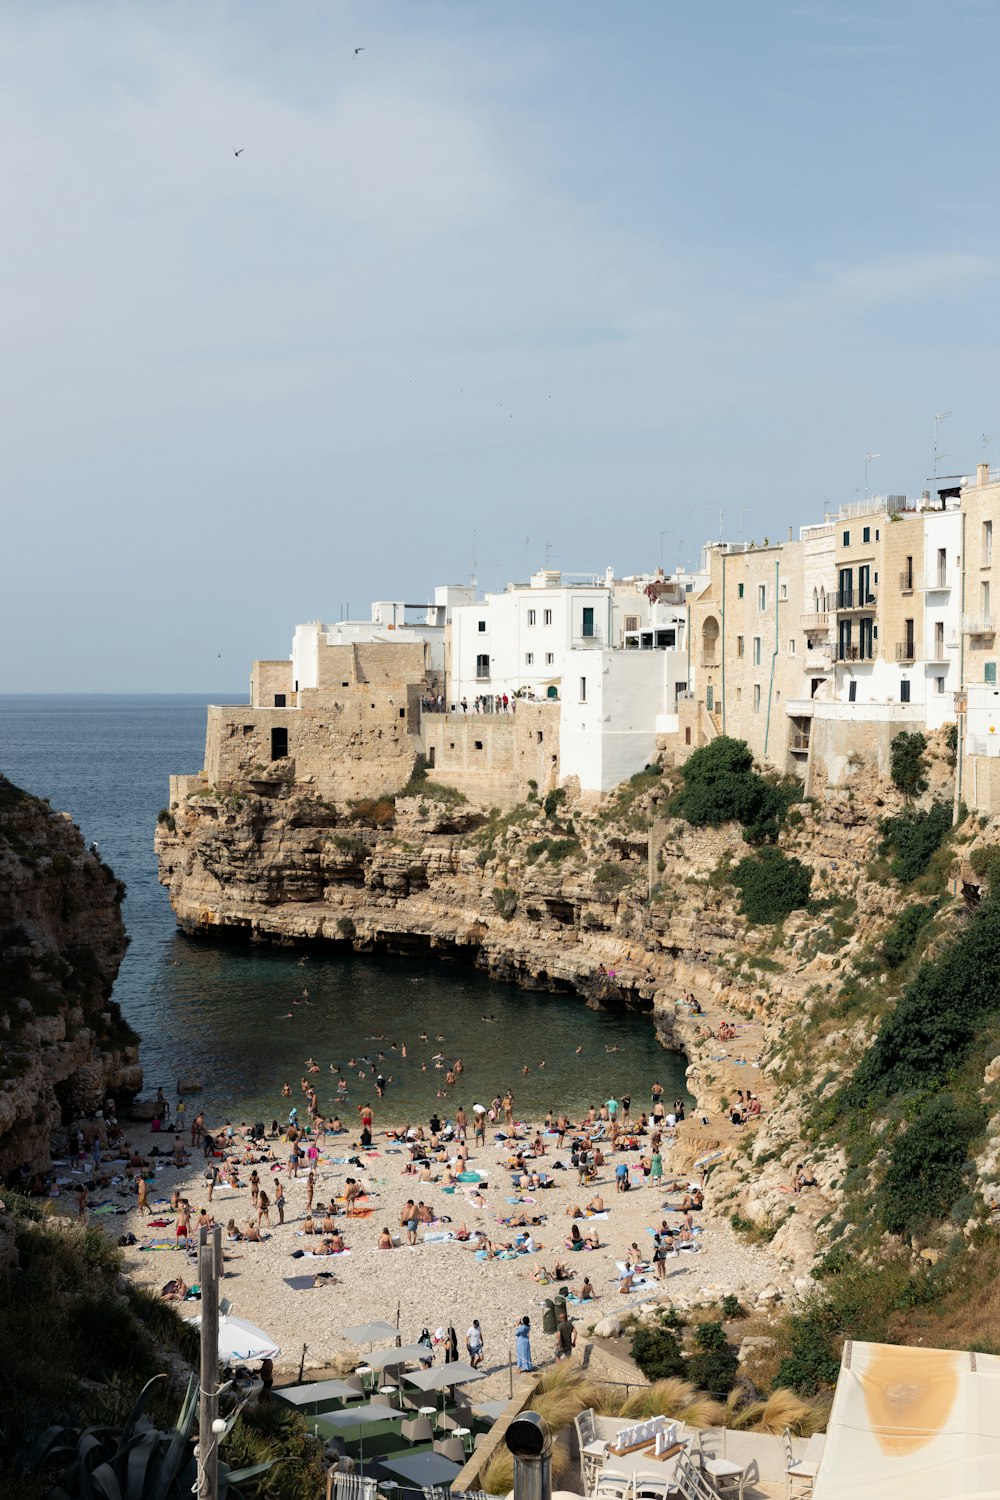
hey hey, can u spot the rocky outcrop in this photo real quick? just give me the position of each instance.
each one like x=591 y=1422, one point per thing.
x=63 y=1043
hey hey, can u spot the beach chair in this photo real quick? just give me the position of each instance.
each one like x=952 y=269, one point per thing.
x=690 y=1482
x=799 y=1475
x=613 y=1486
x=648 y=1487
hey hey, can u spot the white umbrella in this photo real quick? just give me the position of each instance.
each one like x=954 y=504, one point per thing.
x=369 y=1333
x=239 y=1339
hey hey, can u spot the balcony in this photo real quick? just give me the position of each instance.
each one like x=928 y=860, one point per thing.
x=798 y=743
x=858 y=653
x=816 y=619
x=710 y=661
x=848 y=599
x=937 y=580
x=978 y=625
x=905 y=651
x=587 y=643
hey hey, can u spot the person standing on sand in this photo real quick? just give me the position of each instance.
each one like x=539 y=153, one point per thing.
x=310 y=1190
x=254 y=1187
x=279 y=1200
x=142 y=1191
x=522 y=1345
x=408 y=1221
x=461 y=1124
x=263 y=1210
x=474 y=1344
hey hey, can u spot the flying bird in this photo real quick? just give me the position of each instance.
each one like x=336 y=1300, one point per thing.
x=357 y=50
x=239 y=152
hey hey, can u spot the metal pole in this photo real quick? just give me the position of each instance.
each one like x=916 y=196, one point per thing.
x=209 y=1257
x=528 y=1439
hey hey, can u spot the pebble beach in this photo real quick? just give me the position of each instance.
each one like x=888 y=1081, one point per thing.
x=440 y=1281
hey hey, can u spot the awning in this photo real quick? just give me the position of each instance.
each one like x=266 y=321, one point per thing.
x=912 y=1424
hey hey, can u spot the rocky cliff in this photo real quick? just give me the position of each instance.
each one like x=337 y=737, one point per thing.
x=63 y=1043
x=621 y=903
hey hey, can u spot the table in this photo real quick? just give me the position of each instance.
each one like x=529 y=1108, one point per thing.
x=463 y=1433
x=424 y=1468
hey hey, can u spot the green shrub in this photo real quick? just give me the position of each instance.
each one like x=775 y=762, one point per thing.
x=504 y=901
x=951 y=743
x=771 y=885
x=611 y=877
x=986 y=863
x=916 y=837
x=939 y=1015
x=657 y=1353
x=721 y=786
x=812 y=1362
x=714 y=1371
x=555 y=850
x=901 y=939
x=906 y=763
x=732 y=1307
x=709 y=1336
x=347 y=929
x=553 y=801
x=924 y=1176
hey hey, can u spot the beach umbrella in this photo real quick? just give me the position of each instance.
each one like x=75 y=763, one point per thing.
x=409 y=1354
x=369 y=1333
x=239 y=1339
x=442 y=1376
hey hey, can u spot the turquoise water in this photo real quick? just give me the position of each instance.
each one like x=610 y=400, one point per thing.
x=219 y=1013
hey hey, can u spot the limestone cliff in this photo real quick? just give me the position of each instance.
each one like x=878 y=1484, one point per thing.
x=63 y=1044
x=620 y=903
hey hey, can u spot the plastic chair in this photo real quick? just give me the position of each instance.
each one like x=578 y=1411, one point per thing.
x=613 y=1486
x=452 y=1448
x=417 y=1430
x=592 y=1449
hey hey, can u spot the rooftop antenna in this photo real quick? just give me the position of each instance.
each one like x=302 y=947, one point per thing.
x=939 y=417
x=869 y=458
x=744 y=511
x=473 y=579
x=527 y=544
x=549 y=547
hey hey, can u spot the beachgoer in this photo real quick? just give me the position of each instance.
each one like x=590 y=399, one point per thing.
x=522 y=1345
x=474 y=1344
x=565 y=1337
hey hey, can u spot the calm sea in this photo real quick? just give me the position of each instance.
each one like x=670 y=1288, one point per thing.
x=219 y=1013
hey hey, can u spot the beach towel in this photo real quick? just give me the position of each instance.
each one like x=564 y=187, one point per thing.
x=438 y=1237
x=162 y=1243
x=604 y=1214
x=108 y=1208
x=160 y=1223
x=311 y=1255
x=301 y=1283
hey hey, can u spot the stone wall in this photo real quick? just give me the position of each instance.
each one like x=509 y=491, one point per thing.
x=491 y=758
x=270 y=679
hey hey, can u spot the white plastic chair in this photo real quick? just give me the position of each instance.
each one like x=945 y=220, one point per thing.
x=592 y=1449
x=799 y=1474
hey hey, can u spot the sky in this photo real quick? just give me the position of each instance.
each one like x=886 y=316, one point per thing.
x=564 y=283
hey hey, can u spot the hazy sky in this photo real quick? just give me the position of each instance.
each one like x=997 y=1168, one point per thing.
x=567 y=270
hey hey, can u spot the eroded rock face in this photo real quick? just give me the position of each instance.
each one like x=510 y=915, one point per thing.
x=63 y=1044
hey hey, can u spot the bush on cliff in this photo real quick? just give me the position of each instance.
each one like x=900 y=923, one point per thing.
x=925 y=1174
x=771 y=885
x=657 y=1353
x=721 y=786
x=906 y=763
x=916 y=838
x=904 y=933
x=942 y=1010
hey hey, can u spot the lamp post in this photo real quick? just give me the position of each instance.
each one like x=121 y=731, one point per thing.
x=209 y=1261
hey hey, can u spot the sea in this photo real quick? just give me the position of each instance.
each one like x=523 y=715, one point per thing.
x=243 y=1021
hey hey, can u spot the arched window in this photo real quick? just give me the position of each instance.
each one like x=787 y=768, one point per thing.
x=710 y=641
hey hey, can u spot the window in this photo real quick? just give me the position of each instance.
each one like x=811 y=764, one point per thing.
x=547 y=616
x=680 y=687
x=588 y=621
x=987 y=544
x=939 y=684
x=989 y=672
x=739 y=591
x=529 y=658
x=876 y=533
x=791 y=646
x=279 y=700
x=739 y=695
x=687 y=736
x=631 y=622
x=756 y=650
x=739 y=645
x=583 y=689
x=531 y=617
x=483 y=667
x=938 y=640
x=710 y=698
x=762 y=596
x=866 y=534
x=907 y=579
x=984 y=600
x=248 y=729
x=783 y=591
x=847 y=538
x=538 y=736
x=482 y=626
x=852 y=691
x=550 y=657
x=279 y=744
x=478 y=744
x=756 y=697
x=904 y=691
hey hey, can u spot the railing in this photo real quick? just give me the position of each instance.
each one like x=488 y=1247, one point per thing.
x=875 y=505
x=817 y=619
x=858 y=653
x=937 y=651
x=905 y=651
x=799 y=742
x=587 y=642
x=906 y=581
x=937 y=578
x=855 y=599
x=710 y=661
x=978 y=625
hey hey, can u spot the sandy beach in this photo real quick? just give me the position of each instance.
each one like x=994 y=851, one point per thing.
x=440 y=1281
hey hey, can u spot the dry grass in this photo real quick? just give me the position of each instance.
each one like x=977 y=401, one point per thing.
x=781 y=1409
x=562 y=1393
x=674 y=1398
x=498 y=1476
x=968 y=1313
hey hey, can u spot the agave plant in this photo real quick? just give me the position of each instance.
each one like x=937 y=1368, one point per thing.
x=135 y=1461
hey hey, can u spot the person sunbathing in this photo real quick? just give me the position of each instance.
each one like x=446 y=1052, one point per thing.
x=175 y=1291
x=252 y=1233
x=309 y=1225
x=385 y=1240
x=462 y=1232
x=232 y=1233
x=575 y=1241
x=328 y=1225
x=585 y=1292
x=596 y=1204
x=592 y=1240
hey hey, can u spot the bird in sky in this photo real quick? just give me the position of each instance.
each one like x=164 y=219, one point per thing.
x=239 y=152
x=357 y=50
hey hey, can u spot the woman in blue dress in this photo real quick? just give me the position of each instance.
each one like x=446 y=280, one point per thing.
x=522 y=1344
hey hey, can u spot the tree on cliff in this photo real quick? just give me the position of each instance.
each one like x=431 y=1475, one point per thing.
x=721 y=786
